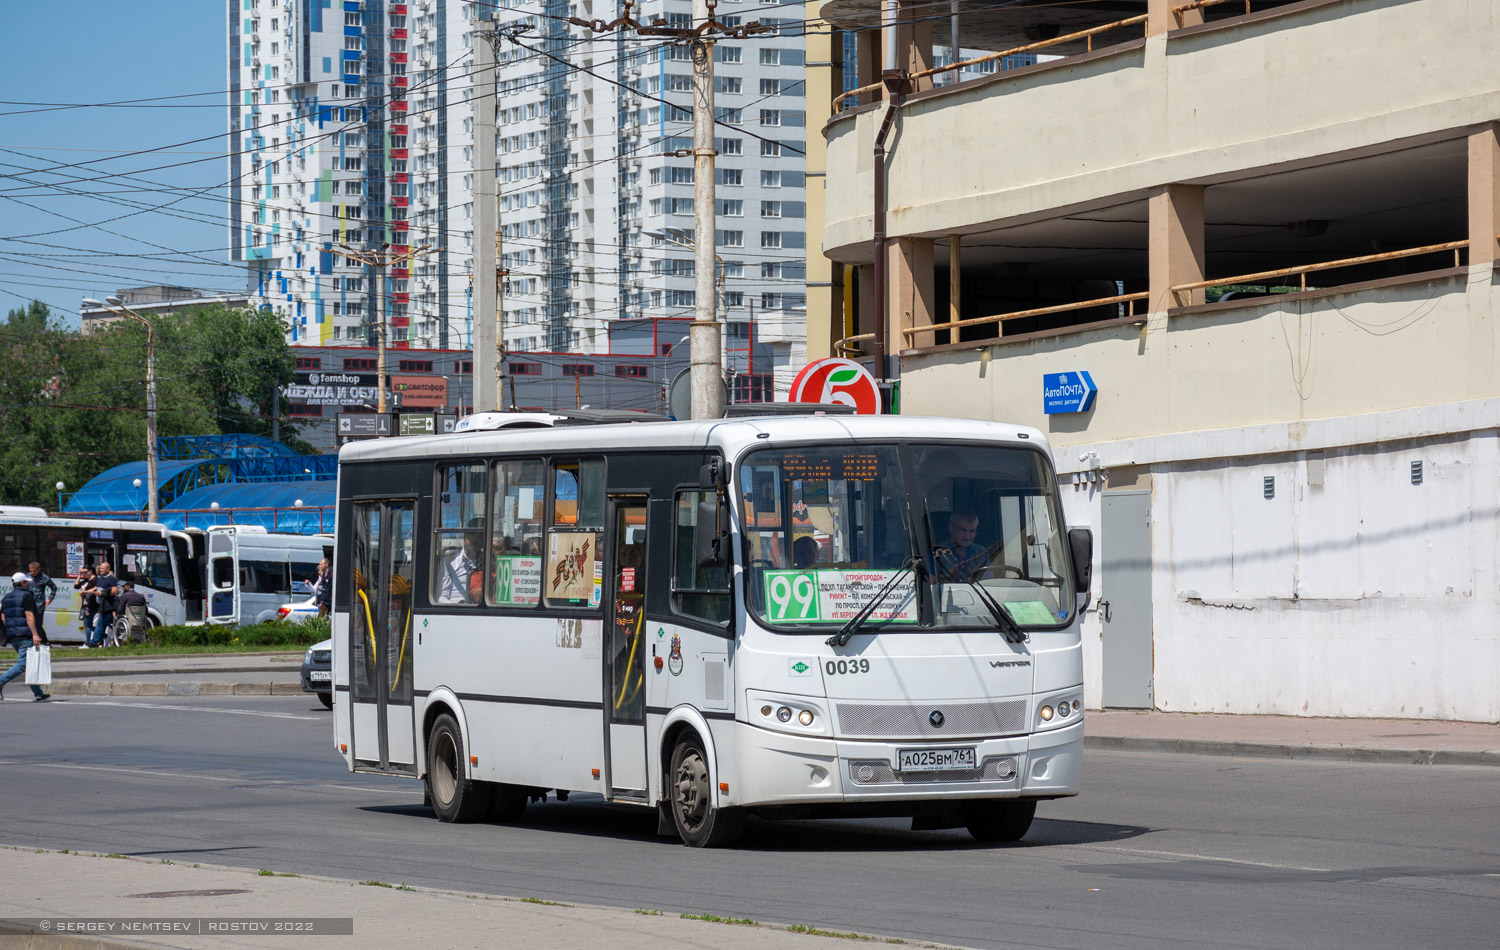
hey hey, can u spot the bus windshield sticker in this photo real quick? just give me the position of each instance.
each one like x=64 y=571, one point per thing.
x=75 y=558
x=835 y=596
x=1030 y=612
x=518 y=581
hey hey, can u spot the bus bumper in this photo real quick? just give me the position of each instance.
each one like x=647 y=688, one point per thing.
x=779 y=769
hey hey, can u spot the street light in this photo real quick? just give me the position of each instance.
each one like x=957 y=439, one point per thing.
x=115 y=305
x=60 y=487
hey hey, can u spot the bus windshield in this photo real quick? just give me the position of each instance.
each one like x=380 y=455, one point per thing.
x=827 y=529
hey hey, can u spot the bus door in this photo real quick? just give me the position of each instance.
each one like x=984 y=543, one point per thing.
x=223 y=579
x=381 y=634
x=625 y=656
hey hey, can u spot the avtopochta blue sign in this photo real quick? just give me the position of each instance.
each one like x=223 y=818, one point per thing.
x=1067 y=392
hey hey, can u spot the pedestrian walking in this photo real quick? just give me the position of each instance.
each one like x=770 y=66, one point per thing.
x=42 y=587
x=23 y=630
x=107 y=588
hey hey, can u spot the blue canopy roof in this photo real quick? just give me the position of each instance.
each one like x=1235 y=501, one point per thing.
x=315 y=516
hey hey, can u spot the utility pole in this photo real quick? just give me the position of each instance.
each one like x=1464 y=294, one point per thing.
x=119 y=307
x=488 y=334
x=380 y=260
x=707 y=371
x=706 y=376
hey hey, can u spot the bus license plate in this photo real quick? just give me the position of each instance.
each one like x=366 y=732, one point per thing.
x=935 y=760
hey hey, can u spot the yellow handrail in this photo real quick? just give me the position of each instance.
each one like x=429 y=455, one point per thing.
x=630 y=662
x=1305 y=269
x=1039 y=311
x=1087 y=35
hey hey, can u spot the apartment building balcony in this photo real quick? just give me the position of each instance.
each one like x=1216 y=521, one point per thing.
x=1186 y=210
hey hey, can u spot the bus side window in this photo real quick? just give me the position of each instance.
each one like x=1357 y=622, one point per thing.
x=574 y=561
x=701 y=592
x=516 y=539
x=458 y=534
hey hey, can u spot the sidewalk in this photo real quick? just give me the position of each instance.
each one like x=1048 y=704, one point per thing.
x=1403 y=741
x=138 y=892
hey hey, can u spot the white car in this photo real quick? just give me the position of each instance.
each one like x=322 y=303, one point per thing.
x=298 y=611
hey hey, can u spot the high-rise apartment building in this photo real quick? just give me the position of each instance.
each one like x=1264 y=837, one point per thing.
x=353 y=124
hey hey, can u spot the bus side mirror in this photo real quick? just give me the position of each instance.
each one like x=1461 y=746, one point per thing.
x=711 y=477
x=711 y=533
x=1081 y=546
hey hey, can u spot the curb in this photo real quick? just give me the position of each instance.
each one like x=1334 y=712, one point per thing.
x=137 y=688
x=25 y=937
x=1490 y=757
x=91 y=674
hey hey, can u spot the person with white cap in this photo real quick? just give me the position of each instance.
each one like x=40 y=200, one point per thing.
x=23 y=630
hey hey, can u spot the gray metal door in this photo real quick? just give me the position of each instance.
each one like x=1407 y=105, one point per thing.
x=1125 y=607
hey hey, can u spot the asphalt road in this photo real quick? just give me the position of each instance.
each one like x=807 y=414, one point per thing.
x=1159 y=851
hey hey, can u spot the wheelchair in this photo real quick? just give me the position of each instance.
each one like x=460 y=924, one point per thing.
x=129 y=627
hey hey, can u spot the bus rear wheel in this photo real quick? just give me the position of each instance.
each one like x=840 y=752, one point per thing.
x=700 y=823
x=454 y=796
x=999 y=820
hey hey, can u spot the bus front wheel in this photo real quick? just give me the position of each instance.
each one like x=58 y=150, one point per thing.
x=999 y=820
x=454 y=797
x=700 y=823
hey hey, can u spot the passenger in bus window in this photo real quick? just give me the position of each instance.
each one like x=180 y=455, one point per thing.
x=457 y=569
x=804 y=551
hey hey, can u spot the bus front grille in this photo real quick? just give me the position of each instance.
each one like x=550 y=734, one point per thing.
x=954 y=720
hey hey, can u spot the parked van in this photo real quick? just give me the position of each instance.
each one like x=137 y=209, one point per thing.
x=249 y=573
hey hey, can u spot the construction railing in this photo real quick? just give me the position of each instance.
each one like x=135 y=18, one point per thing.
x=1303 y=270
x=850 y=344
x=1127 y=300
x=1086 y=36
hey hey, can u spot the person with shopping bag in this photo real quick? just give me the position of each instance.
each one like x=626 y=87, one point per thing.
x=23 y=631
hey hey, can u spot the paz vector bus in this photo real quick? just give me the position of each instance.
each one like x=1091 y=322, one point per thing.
x=790 y=617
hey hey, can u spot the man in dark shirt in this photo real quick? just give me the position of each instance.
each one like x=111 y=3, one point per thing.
x=129 y=596
x=42 y=587
x=108 y=587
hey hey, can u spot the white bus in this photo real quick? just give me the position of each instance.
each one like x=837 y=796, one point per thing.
x=249 y=573
x=151 y=556
x=761 y=615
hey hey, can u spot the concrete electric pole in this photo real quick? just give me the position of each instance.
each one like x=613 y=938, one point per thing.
x=706 y=378
x=488 y=334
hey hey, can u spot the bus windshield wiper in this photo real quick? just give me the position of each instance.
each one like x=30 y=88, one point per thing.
x=1008 y=626
x=852 y=626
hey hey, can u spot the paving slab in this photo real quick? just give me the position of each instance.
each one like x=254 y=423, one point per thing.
x=97 y=891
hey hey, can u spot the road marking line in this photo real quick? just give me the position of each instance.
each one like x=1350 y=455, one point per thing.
x=218 y=780
x=1147 y=852
x=214 y=709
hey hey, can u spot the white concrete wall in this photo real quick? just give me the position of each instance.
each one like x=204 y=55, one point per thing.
x=1286 y=89
x=1367 y=596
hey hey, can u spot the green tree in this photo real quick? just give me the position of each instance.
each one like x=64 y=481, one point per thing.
x=73 y=404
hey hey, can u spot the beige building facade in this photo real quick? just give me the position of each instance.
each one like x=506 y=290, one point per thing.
x=1270 y=240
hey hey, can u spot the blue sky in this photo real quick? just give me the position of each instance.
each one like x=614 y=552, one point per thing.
x=91 y=51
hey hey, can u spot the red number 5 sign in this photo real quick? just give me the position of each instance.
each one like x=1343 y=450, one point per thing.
x=838 y=381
